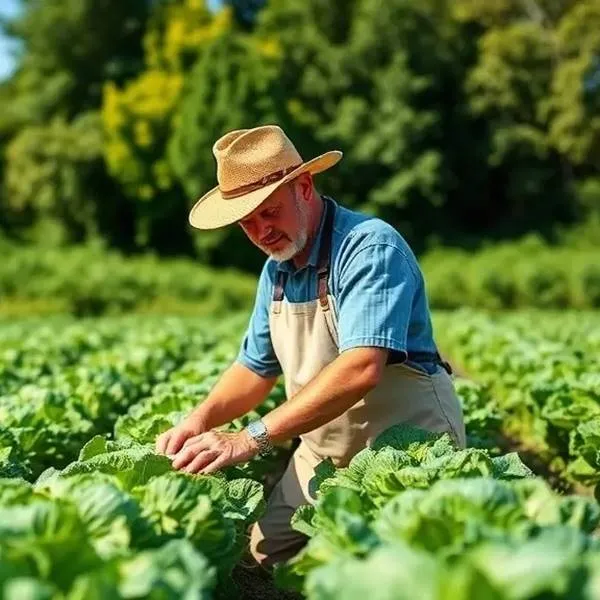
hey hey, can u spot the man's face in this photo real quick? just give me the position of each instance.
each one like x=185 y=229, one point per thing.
x=279 y=226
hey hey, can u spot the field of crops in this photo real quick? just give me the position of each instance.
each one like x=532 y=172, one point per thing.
x=88 y=510
x=543 y=371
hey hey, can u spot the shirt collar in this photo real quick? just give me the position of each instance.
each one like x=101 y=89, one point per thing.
x=313 y=257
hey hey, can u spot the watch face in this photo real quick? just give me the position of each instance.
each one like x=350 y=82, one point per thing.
x=255 y=428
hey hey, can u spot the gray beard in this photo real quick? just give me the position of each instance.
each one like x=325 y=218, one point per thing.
x=299 y=243
x=291 y=250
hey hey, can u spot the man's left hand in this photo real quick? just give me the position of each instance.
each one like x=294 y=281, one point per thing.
x=214 y=450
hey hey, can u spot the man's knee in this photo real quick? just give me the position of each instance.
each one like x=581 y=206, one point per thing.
x=259 y=547
x=272 y=538
x=270 y=545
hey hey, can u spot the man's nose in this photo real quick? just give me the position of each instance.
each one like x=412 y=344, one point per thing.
x=264 y=230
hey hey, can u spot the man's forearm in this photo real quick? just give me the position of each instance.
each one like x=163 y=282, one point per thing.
x=237 y=392
x=333 y=391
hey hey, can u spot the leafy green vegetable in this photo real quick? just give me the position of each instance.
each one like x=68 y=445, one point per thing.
x=548 y=565
x=393 y=572
x=111 y=517
x=49 y=535
x=132 y=466
x=174 y=571
x=403 y=437
x=431 y=497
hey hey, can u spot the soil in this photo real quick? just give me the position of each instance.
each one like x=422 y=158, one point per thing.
x=535 y=462
x=254 y=584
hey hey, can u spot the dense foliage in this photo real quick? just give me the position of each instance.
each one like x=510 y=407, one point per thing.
x=413 y=517
x=63 y=382
x=458 y=119
x=527 y=273
x=81 y=404
x=92 y=281
x=120 y=523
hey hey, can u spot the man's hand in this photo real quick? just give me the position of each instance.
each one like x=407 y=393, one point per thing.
x=171 y=441
x=237 y=392
x=214 y=450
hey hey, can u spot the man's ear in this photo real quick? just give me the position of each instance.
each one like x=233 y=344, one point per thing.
x=304 y=183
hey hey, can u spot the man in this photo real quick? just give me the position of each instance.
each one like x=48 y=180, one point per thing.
x=340 y=312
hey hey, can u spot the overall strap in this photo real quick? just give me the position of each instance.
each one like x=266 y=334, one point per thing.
x=324 y=261
x=279 y=285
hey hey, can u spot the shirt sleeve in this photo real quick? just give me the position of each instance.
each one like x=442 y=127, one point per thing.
x=375 y=296
x=256 y=350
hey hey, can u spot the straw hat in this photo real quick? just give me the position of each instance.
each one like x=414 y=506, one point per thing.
x=251 y=165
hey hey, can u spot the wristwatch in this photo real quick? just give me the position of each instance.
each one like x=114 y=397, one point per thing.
x=258 y=431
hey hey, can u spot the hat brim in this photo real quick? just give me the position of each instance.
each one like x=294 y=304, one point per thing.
x=212 y=211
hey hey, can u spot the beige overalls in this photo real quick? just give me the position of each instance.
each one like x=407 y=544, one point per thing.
x=305 y=340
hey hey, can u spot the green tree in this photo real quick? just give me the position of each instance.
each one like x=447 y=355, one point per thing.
x=49 y=124
x=529 y=86
x=70 y=47
x=56 y=180
x=234 y=85
x=574 y=102
x=383 y=81
x=139 y=119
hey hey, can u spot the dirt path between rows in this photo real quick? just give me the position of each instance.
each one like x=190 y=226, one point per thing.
x=255 y=586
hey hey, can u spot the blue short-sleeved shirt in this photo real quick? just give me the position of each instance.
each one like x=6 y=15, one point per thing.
x=376 y=283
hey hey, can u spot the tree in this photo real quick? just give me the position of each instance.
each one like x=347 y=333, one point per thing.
x=529 y=86
x=574 y=102
x=233 y=86
x=70 y=47
x=55 y=181
x=383 y=82
x=49 y=125
x=140 y=117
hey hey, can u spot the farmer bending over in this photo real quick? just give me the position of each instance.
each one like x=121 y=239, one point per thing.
x=340 y=312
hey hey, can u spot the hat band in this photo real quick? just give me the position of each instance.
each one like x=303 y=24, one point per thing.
x=251 y=187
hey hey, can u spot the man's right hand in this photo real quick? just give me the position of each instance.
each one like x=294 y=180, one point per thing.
x=171 y=441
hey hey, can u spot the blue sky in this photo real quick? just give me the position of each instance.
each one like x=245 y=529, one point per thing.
x=9 y=8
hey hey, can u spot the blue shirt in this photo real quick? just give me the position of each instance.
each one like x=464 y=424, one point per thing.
x=376 y=283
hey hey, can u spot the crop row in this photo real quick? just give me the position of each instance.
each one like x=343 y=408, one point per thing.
x=84 y=401
x=543 y=370
x=63 y=383
x=120 y=523
x=412 y=517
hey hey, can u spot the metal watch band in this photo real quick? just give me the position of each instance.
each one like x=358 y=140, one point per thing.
x=258 y=431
